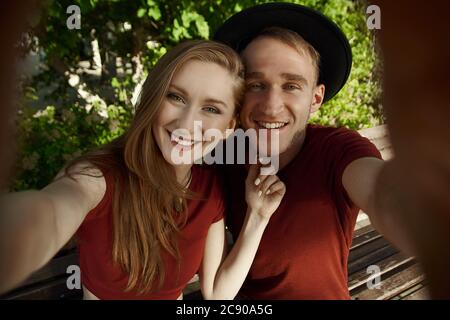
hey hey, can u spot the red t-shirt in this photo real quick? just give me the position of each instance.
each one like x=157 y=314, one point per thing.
x=304 y=250
x=95 y=238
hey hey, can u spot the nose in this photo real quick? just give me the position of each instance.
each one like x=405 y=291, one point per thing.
x=189 y=121
x=272 y=103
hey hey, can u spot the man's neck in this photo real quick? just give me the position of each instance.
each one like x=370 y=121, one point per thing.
x=292 y=151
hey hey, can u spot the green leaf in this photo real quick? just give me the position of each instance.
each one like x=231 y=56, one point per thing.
x=154 y=13
x=115 y=83
x=141 y=12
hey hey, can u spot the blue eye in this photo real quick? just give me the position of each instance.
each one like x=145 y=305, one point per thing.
x=175 y=97
x=212 y=110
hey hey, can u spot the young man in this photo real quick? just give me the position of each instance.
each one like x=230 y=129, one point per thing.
x=296 y=59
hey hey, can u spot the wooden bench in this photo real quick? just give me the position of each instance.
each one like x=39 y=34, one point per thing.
x=401 y=277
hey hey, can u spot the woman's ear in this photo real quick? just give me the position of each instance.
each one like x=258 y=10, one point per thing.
x=233 y=123
x=231 y=127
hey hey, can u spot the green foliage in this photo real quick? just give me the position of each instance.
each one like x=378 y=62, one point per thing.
x=50 y=137
x=356 y=106
x=59 y=124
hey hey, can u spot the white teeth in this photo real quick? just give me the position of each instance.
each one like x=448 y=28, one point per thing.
x=185 y=143
x=272 y=125
x=182 y=141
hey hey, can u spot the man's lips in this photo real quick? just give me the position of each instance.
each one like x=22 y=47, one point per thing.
x=271 y=124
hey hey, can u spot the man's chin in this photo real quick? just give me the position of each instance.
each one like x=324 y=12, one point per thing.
x=264 y=151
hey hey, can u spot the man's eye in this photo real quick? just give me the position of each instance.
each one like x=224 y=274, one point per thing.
x=292 y=86
x=255 y=86
x=212 y=109
x=175 y=97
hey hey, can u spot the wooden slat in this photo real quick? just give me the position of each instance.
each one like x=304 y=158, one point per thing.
x=368 y=259
x=371 y=246
x=52 y=290
x=393 y=285
x=391 y=265
x=421 y=294
x=362 y=231
x=364 y=239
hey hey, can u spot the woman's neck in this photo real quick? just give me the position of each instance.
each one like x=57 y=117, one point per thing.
x=183 y=173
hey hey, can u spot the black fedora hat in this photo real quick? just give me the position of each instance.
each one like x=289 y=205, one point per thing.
x=322 y=33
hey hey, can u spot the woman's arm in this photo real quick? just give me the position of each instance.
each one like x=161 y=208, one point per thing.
x=35 y=225
x=222 y=280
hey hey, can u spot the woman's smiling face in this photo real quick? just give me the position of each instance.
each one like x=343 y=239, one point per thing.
x=200 y=98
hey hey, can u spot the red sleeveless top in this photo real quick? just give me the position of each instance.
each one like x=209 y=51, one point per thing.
x=95 y=238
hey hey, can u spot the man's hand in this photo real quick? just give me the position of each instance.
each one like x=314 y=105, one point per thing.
x=416 y=101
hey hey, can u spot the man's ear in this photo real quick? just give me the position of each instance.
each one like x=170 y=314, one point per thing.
x=317 y=98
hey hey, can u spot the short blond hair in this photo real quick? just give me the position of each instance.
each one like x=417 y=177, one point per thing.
x=296 y=41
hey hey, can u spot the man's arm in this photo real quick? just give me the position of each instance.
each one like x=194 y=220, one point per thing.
x=360 y=180
x=409 y=208
x=416 y=102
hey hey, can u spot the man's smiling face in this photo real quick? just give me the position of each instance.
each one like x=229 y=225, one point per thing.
x=281 y=91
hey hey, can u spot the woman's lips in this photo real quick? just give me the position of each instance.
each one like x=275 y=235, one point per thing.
x=182 y=143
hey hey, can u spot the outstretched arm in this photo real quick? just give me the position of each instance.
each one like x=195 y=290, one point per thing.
x=372 y=193
x=35 y=225
x=416 y=101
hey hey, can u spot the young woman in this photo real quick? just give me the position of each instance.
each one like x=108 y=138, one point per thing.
x=146 y=224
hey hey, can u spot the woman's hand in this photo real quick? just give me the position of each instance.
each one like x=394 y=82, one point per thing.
x=222 y=279
x=263 y=193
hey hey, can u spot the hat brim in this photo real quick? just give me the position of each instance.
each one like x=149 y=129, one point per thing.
x=322 y=33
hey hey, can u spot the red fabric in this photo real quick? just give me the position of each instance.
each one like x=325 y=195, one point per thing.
x=95 y=237
x=304 y=250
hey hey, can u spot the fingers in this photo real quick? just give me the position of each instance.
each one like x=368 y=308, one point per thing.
x=253 y=174
x=278 y=187
x=271 y=185
x=263 y=184
x=267 y=183
x=254 y=177
x=260 y=180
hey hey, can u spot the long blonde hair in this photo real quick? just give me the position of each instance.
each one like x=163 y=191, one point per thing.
x=146 y=192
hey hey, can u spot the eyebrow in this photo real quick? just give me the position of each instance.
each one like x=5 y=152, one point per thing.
x=286 y=76
x=255 y=74
x=215 y=101
x=294 y=77
x=184 y=92
x=207 y=100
